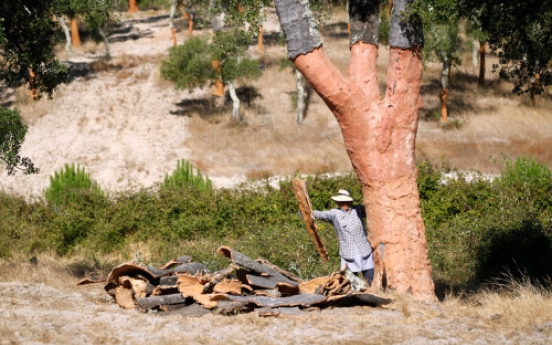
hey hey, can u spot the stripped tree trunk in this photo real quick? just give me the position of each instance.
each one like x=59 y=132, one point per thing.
x=379 y=134
x=187 y=14
x=260 y=39
x=219 y=85
x=132 y=6
x=481 y=80
x=75 y=37
x=217 y=23
x=444 y=87
x=32 y=82
x=67 y=34
x=236 y=116
x=536 y=88
x=171 y=22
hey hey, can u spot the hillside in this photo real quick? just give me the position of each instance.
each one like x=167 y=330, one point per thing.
x=128 y=127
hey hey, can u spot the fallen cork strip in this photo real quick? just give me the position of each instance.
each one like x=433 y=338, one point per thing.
x=184 y=287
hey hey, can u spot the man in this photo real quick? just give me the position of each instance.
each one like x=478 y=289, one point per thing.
x=354 y=247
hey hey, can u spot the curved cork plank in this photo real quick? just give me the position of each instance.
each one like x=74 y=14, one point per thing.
x=300 y=187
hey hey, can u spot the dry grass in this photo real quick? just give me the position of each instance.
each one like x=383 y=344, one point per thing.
x=41 y=303
x=485 y=124
x=509 y=305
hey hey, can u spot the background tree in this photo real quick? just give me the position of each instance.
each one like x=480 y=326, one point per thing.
x=520 y=32
x=443 y=43
x=190 y=64
x=28 y=34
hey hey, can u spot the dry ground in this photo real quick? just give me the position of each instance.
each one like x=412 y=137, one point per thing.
x=40 y=304
x=127 y=127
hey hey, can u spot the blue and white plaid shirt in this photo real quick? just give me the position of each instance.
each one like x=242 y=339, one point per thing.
x=350 y=230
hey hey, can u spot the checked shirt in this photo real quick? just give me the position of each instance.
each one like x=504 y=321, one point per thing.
x=350 y=230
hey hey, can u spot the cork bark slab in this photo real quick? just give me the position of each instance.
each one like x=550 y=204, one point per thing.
x=300 y=188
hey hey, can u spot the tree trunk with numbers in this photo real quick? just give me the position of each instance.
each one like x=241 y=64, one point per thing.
x=379 y=132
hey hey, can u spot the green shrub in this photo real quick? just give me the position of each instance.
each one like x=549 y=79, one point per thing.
x=68 y=185
x=185 y=175
x=476 y=229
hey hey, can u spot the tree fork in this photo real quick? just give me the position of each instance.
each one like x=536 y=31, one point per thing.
x=379 y=134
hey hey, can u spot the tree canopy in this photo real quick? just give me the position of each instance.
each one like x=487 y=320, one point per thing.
x=28 y=35
x=520 y=32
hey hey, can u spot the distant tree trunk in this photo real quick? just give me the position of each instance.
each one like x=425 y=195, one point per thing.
x=219 y=85
x=106 y=42
x=444 y=88
x=475 y=52
x=187 y=14
x=217 y=23
x=300 y=97
x=171 y=22
x=33 y=92
x=260 y=40
x=481 y=80
x=132 y=6
x=379 y=134
x=67 y=34
x=236 y=116
x=536 y=88
x=75 y=37
x=260 y=37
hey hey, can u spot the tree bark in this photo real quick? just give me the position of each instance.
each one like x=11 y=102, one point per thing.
x=475 y=52
x=65 y=28
x=132 y=6
x=106 y=43
x=236 y=116
x=75 y=37
x=379 y=134
x=171 y=22
x=300 y=97
x=481 y=80
x=444 y=88
x=187 y=14
x=535 y=89
x=219 y=85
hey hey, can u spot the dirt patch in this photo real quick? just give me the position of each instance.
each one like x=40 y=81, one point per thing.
x=35 y=313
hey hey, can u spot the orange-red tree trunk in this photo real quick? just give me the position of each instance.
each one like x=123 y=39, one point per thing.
x=444 y=109
x=132 y=6
x=379 y=133
x=75 y=37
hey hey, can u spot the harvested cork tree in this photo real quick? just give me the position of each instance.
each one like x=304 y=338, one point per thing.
x=379 y=131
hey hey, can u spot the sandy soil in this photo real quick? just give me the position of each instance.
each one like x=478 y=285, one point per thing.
x=36 y=313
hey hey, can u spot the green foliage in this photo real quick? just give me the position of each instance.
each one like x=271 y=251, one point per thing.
x=519 y=31
x=476 y=228
x=229 y=47
x=186 y=176
x=189 y=65
x=12 y=133
x=28 y=35
x=68 y=184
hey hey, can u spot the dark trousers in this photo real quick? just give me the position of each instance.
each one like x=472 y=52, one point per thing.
x=368 y=275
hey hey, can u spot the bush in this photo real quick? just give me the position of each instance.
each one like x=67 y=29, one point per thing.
x=185 y=175
x=69 y=185
x=476 y=229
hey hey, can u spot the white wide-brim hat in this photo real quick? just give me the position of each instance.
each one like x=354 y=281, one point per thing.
x=342 y=196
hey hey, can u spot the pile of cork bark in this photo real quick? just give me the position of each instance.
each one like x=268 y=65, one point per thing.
x=246 y=285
